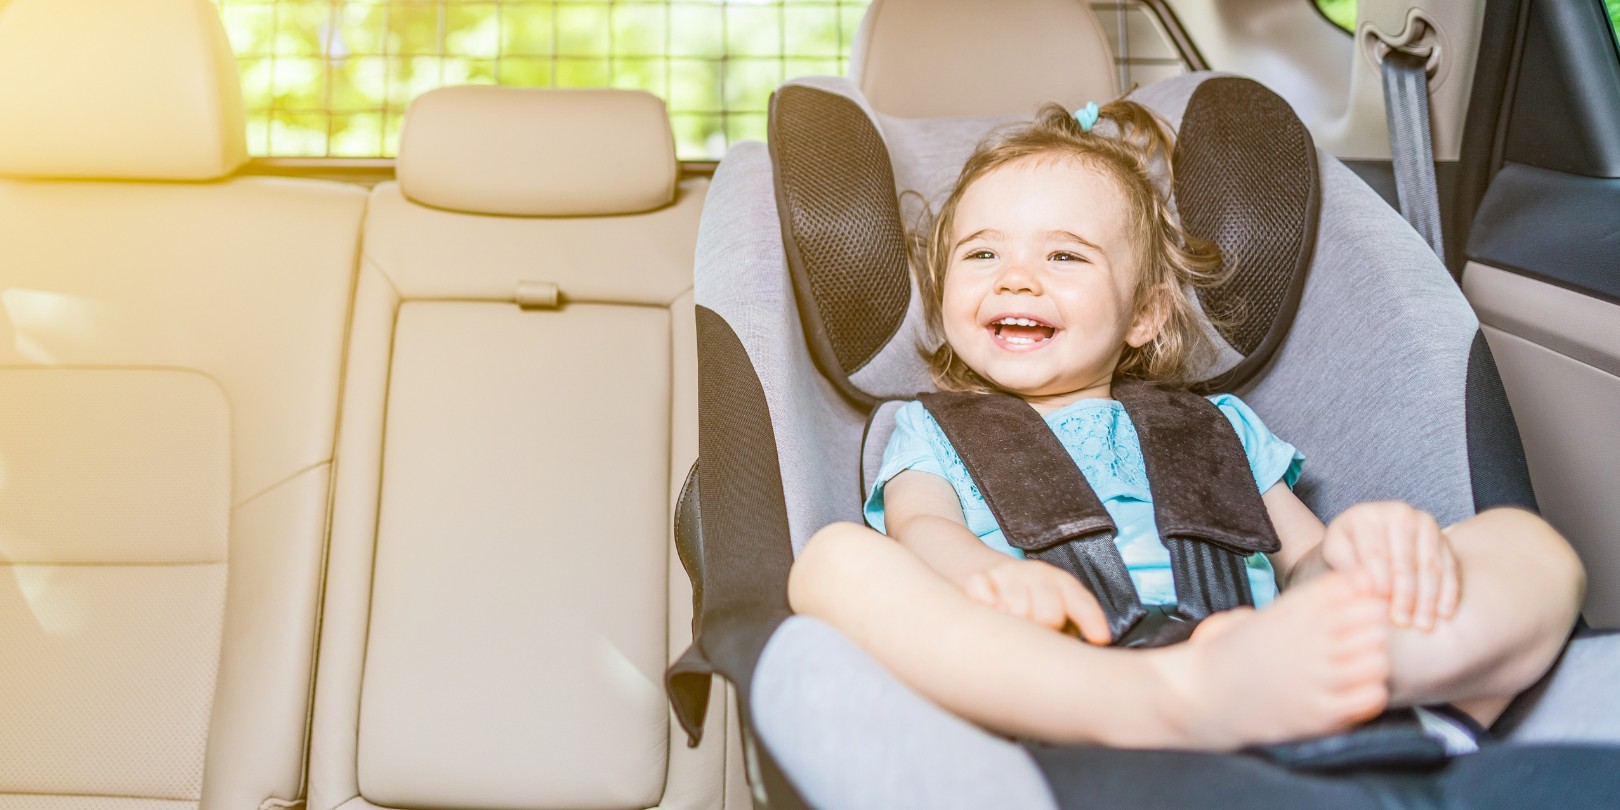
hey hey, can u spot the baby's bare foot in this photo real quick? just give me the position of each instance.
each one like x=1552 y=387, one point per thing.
x=1315 y=662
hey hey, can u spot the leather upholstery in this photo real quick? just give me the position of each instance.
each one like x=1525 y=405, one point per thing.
x=169 y=364
x=568 y=153
x=170 y=355
x=943 y=58
x=172 y=110
x=502 y=592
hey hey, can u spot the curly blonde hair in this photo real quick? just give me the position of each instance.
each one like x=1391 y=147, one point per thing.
x=1125 y=144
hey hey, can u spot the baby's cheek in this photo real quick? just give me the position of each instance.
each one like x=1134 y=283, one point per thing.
x=959 y=330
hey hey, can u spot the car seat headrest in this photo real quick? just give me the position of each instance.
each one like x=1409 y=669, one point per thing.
x=1245 y=179
x=169 y=109
x=934 y=58
x=521 y=152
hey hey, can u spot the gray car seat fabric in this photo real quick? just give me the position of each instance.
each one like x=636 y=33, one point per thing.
x=806 y=712
x=1379 y=381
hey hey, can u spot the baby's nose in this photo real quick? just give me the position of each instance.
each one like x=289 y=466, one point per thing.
x=1017 y=276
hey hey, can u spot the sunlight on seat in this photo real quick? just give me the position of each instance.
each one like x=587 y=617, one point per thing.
x=41 y=320
x=54 y=609
x=617 y=669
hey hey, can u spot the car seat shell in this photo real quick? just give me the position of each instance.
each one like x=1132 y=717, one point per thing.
x=1383 y=337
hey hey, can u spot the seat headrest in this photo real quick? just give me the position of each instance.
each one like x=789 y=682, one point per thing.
x=1246 y=179
x=517 y=152
x=118 y=90
x=939 y=58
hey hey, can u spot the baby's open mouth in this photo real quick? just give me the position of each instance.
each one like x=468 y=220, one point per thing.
x=1021 y=331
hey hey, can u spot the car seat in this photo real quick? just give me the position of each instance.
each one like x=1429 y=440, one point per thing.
x=171 y=350
x=807 y=324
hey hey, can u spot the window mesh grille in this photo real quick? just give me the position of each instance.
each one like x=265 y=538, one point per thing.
x=332 y=78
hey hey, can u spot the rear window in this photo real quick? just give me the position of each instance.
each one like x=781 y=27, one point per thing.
x=1339 y=12
x=332 y=78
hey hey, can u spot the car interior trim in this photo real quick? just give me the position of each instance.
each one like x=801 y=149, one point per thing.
x=1556 y=226
x=1565 y=113
x=1576 y=325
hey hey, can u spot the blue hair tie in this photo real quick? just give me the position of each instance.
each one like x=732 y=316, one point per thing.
x=1087 y=116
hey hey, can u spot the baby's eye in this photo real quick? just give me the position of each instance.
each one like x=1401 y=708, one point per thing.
x=1066 y=256
x=979 y=254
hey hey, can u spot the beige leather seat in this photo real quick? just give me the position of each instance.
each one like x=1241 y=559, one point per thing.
x=170 y=353
x=939 y=58
x=503 y=596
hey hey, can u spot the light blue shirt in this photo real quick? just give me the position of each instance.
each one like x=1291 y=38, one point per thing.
x=1102 y=441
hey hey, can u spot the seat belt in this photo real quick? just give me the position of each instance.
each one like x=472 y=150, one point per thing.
x=1406 y=106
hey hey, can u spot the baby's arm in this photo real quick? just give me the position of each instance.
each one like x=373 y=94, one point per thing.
x=922 y=513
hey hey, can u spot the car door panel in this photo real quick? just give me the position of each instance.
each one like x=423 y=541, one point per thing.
x=1543 y=266
x=1558 y=352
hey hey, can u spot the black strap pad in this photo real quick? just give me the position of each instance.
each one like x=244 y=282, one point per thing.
x=1207 y=508
x=1202 y=486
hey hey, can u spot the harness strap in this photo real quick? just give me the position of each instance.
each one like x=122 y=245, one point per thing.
x=1207 y=508
x=1005 y=445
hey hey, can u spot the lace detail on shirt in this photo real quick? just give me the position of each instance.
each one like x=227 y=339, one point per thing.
x=955 y=470
x=1104 y=445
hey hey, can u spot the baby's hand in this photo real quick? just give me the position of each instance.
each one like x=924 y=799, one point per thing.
x=1401 y=553
x=1042 y=593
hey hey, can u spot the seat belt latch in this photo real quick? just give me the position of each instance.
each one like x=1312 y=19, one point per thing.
x=538 y=295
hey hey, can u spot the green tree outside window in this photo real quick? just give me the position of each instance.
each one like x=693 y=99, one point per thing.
x=1614 y=19
x=1341 y=12
x=332 y=78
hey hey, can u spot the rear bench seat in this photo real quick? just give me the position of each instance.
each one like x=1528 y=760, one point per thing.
x=520 y=407
x=170 y=353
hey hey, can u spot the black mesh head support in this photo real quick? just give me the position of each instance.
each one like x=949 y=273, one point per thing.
x=1246 y=179
x=840 y=227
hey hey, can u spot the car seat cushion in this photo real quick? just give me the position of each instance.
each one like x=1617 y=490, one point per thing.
x=540 y=153
x=171 y=110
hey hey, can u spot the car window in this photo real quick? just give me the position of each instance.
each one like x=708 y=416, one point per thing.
x=333 y=78
x=1614 y=20
x=1340 y=12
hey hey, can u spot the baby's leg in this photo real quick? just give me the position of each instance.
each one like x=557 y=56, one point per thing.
x=1315 y=662
x=1522 y=588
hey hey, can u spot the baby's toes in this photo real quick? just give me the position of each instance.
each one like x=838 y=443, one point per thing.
x=1360 y=703
x=1339 y=605
x=1367 y=662
x=1358 y=615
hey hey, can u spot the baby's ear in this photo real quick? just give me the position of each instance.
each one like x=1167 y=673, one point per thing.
x=1150 y=317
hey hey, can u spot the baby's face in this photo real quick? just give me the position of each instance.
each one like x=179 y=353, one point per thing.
x=1038 y=291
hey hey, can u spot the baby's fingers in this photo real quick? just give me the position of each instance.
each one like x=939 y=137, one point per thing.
x=1339 y=552
x=1402 y=543
x=1450 y=582
x=1015 y=600
x=1083 y=609
x=1428 y=547
x=1046 y=606
x=981 y=588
